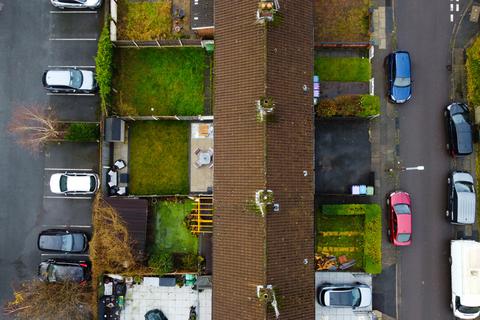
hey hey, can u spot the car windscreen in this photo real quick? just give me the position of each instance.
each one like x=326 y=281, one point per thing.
x=402 y=208
x=93 y=183
x=76 y=78
x=356 y=297
x=465 y=309
x=63 y=183
x=459 y=118
x=403 y=237
x=401 y=82
x=462 y=186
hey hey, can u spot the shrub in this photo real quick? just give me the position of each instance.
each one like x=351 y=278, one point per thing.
x=373 y=239
x=104 y=65
x=370 y=105
x=473 y=73
x=81 y=131
x=349 y=106
x=161 y=263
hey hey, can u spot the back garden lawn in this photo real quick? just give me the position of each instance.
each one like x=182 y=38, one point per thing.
x=158 y=157
x=159 y=81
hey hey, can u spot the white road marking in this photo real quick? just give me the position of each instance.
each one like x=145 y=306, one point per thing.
x=73 y=11
x=67 y=197
x=66 y=169
x=451 y=6
x=73 y=39
x=457 y=7
x=89 y=67
x=69 y=94
x=451 y=18
x=65 y=226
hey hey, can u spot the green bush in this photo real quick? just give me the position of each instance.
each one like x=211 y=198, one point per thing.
x=83 y=132
x=370 y=105
x=349 y=106
x=161 y=263
x=473 y=73
x=104 y=66
x=373 y=239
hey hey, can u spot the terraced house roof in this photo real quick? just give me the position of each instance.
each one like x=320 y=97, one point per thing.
x=253 y=61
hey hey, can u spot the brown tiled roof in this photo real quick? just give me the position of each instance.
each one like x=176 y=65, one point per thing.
x=253 y=61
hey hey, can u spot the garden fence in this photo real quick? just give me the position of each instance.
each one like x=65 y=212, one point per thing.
x=153 y=117
x=166 y=43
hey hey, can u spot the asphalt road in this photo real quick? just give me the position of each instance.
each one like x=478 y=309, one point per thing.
x=26 y=50
x=424 y=29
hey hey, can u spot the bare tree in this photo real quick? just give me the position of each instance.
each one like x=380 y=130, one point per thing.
x=33 y=127
x=39 y=300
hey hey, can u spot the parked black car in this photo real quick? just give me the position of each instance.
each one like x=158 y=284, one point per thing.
x=59 y=271
x=155 y=315
x=63 y=241
x=459 y=129
x=399 y=76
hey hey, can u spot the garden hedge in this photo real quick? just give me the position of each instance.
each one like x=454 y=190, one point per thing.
x=83 y=132
x=104 y=67
x=473 y=73
x=349 y=106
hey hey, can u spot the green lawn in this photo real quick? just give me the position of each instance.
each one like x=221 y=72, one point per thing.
x=171 y=233
x=158 y=157
x=361 y=228
x=144 y=20
x=169 y=80
x=344 y=69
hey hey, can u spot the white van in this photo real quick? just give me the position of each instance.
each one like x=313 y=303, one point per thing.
x=465 y=265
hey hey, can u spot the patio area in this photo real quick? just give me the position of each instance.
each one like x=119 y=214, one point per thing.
x=173 y=301
x=201 y=158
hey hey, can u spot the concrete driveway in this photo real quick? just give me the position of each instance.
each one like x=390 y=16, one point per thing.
x=424 y=28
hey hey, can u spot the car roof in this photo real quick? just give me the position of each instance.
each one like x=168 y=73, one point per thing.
x=58 y=77
x=78 y=183
x=466 y=207
x=404 y=223
x=402 y=63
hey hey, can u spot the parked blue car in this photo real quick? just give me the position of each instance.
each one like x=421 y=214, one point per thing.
x=399 y=75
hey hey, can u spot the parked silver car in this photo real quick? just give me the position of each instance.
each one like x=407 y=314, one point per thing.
x=353 y=296
x=76 y=4
x=69 y=80
x=71 y=183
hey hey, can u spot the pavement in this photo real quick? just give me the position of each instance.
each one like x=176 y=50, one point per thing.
x=37 y=36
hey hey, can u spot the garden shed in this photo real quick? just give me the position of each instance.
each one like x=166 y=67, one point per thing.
x=202 y=21
x=134 y=212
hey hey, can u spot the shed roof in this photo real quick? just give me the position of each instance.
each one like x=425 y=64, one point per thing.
x=134 y=212
x=202 y=14
x=253 y=60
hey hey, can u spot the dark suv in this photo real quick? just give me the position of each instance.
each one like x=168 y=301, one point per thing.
x=459 y=129
x=399 y=76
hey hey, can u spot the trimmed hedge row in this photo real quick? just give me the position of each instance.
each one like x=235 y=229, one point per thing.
x=473 y=73
x=349 y=106
x=83 y=132
x=104 y=67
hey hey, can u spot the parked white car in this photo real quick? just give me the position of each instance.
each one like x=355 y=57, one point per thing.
x=69 y=80
x=72 y=183
x=76 y=4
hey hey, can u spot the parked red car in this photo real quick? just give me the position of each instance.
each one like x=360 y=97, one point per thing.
x=400 y=224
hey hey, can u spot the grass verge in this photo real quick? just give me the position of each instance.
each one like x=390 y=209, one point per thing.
x=159 y=157
x=344 y=69
x=473 y=73
x=164 y=82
